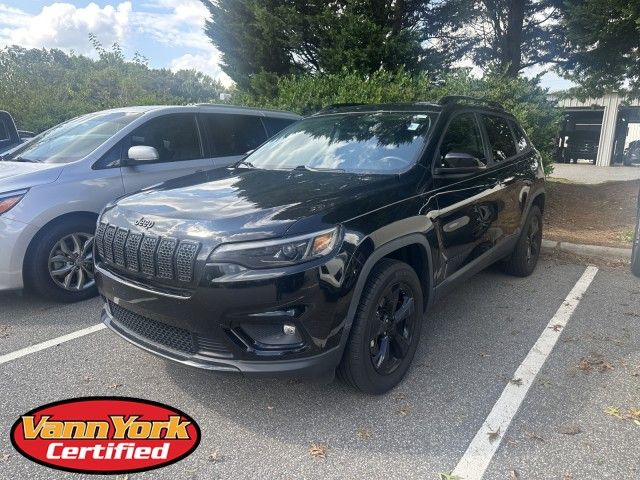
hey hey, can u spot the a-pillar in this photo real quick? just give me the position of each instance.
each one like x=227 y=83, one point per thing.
x=608 y=132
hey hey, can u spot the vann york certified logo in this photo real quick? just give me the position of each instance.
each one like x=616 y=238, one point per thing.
x=145 y=223
x=105 y=435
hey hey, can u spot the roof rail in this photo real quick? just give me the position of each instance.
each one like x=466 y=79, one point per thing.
x=333 y=106
x=463 y=98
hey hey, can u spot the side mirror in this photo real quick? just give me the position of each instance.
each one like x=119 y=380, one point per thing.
x=459 y=164
x=143 y=153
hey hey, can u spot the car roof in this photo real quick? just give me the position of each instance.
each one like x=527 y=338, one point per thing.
x=457 y=103
x=208 y=107
x=379 y=107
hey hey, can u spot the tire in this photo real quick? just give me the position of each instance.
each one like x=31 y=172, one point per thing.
x=376 y=331
x=524 y=258
x=47 y=246
x=635 y=252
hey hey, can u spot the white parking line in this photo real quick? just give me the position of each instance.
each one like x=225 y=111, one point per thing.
x=484 y=445
x=50 y=343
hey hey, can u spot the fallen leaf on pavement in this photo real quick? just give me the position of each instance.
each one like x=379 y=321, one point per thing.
x=494 y=435
x=514 y=475
x=516 y=381
x=363 y=433
x=570 y=429
x=317 y=450
x=448 y=476
x=535 y=436
x=584 y=365
x=556 y=328
x=115 y=385
x=404 y=410
x=215 y=457
x=613 y=411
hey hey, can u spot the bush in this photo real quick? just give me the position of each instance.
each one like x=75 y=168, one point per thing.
x=42 y=88
x=306 y=94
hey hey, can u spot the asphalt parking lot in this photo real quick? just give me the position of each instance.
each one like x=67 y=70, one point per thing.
x=576 y=420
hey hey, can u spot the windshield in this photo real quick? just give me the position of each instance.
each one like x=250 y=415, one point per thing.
x=384 y=142
x=72 y=140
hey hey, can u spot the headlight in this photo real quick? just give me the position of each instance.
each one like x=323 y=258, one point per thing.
x=10 y=199
x=279 y=252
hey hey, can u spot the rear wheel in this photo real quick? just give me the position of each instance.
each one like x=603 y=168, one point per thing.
x=524 y=258
x=386 y=329
x=60 y=265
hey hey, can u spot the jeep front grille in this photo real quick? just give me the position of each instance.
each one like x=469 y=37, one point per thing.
x=175 y=338
x=164 y=258
x=156 y=332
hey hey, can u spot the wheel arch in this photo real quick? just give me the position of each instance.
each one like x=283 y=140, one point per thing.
x=413 y=249
x=80 y=215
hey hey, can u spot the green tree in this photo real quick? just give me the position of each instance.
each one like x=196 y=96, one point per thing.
x=603 y=41
x=508 y=36
x=315 y=36
x=41 y=88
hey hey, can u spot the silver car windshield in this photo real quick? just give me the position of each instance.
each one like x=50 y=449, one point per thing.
x=72 y=140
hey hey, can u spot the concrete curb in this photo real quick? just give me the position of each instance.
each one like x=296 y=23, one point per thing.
x=610 y=253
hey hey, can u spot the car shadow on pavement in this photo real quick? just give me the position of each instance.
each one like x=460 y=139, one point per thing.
x=471 y=343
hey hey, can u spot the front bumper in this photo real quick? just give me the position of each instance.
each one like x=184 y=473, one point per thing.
x=231 y=326
x=15 y=238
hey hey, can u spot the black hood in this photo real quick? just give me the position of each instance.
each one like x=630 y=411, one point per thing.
x=243 y=204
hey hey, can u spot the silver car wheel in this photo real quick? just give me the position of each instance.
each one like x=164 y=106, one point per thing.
x=71 y=262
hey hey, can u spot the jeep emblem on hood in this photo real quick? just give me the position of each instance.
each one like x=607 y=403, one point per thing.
x=144 y=223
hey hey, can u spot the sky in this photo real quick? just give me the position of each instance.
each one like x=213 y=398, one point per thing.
x=169 y=33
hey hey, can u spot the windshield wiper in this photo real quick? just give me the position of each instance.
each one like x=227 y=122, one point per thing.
x=317 y=169
x=19 y=159
x=246 y=163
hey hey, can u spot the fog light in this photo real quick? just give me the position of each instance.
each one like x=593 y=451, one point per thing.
x=289 y=329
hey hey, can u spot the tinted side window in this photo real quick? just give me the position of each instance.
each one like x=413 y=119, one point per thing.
x=274 y=125
x=233 y=134
x=521 y=139
x=4 y=131
x=111 y=159
x=174 y=136
x=463 y=136
x=500 y=137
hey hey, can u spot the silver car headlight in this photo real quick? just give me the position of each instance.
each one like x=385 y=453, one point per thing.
x=10 y=199
x=278 y=252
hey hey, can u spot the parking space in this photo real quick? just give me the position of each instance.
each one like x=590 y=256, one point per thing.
x=473 y=342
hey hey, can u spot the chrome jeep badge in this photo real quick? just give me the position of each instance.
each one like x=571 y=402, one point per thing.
x=145 y=223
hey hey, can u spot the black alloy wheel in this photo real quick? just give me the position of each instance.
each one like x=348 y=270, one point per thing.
x=391 y=340
x=386 y=329
x=524 y=258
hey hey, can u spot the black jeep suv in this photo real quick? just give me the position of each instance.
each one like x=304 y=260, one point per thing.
x=323 y=248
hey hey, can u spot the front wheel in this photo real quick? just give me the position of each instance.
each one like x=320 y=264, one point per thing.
x=386 y=329
x=60 y=265
x=524 y=258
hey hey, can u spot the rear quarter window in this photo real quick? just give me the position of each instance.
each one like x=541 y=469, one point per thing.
x=4 y=131
x=500 y=137
x=274 y=125
x=233 y=134
x=521 y=139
